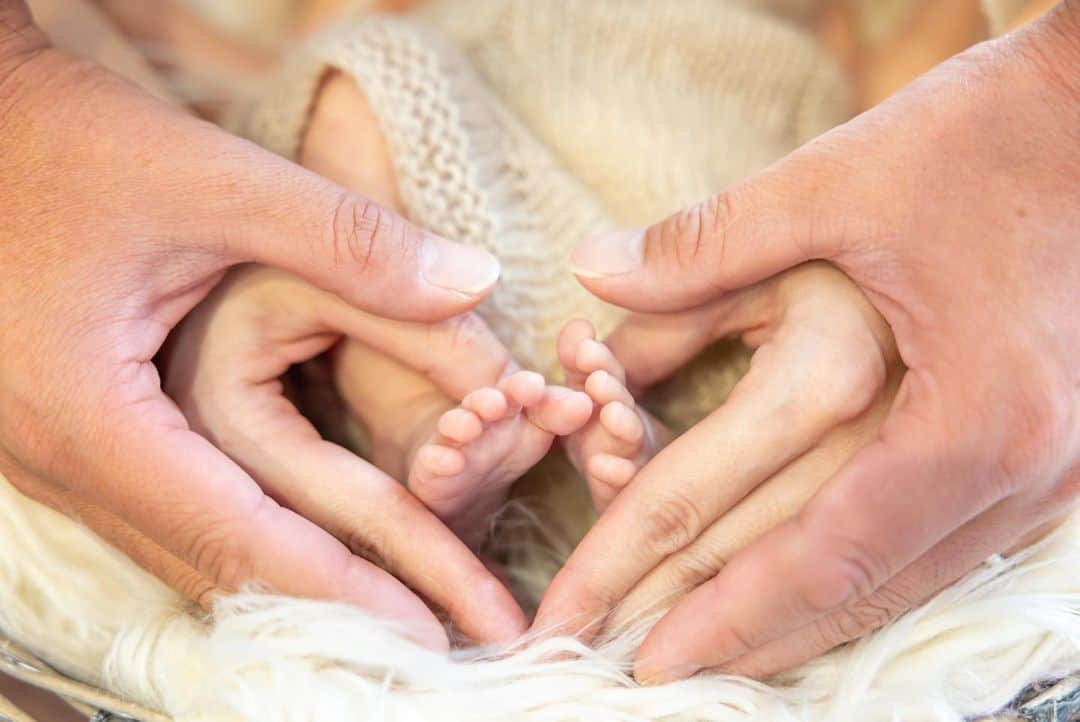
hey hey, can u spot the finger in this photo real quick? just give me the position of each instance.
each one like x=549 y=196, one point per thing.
x=457 y=355
x=856 y=534
x=198 y=505
x=771 y=222
x=651 y=347
x=962 y=551
x=770 y=504
x=369 y=511
x=701 y=475
x=273 y=212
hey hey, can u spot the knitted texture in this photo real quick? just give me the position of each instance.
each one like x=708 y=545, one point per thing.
x=466 y=169
x=568 y=132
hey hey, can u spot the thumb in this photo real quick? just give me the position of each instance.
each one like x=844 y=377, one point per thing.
x=290 y=218
x=767 y=224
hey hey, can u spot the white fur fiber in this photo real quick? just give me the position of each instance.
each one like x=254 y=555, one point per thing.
x=91 y=613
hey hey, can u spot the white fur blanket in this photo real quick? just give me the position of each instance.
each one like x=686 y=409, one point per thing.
x=89 y=612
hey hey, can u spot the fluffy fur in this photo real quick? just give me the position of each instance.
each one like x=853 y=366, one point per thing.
x=262 y=658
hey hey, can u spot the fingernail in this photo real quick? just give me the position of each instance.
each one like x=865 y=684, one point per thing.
x=611 y=254
x=655 y=676
x=457 y=267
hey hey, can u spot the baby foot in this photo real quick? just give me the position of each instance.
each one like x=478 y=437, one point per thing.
x=480 y=448
x=621 y=436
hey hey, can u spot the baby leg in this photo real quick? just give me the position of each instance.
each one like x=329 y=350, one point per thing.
x=620 y=437
x=459 y=461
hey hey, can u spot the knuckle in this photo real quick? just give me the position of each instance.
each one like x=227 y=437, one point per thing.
x=212 y=554
x=849 y=571
x=194 y=586
x=671 y=524
x=372 y=544
x=839 y=628
x=845 y=576
x=847 y=382
x=861 y=377
x=696 y=232
x=856 y=621
x=694 y=566
x=363 y=234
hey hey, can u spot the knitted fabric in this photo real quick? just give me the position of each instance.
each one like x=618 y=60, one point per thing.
x=513 y=129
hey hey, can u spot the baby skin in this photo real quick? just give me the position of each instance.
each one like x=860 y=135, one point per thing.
x=461 y=459
x=464 y=470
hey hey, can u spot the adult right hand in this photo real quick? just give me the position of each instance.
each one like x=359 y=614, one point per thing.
x=954 y=208
x=120 y=215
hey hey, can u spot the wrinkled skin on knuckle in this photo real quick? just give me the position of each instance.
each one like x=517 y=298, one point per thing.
x=671 y=523
x=212 y=551
x=367 y=237
x=372 y=543
x=847 y=573
x=847 y=569
x=194 y=586
x=693 y=234
x=863 y=617
x=695 y=565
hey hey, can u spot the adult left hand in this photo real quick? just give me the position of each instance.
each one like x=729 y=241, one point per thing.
x=954 y=207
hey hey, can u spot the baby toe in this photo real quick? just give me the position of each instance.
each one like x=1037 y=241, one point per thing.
x=607 y=476
x=439 y=460
x=623 y=423
x=614 y=471
x=488 y=404
x=460 y=425
x=524 y=388
x=561 y=411
x=604 y=388
x=595 y=356
x=566 y=346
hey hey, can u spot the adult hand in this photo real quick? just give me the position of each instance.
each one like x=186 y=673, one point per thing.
x=120 y=215
x=954 y=206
